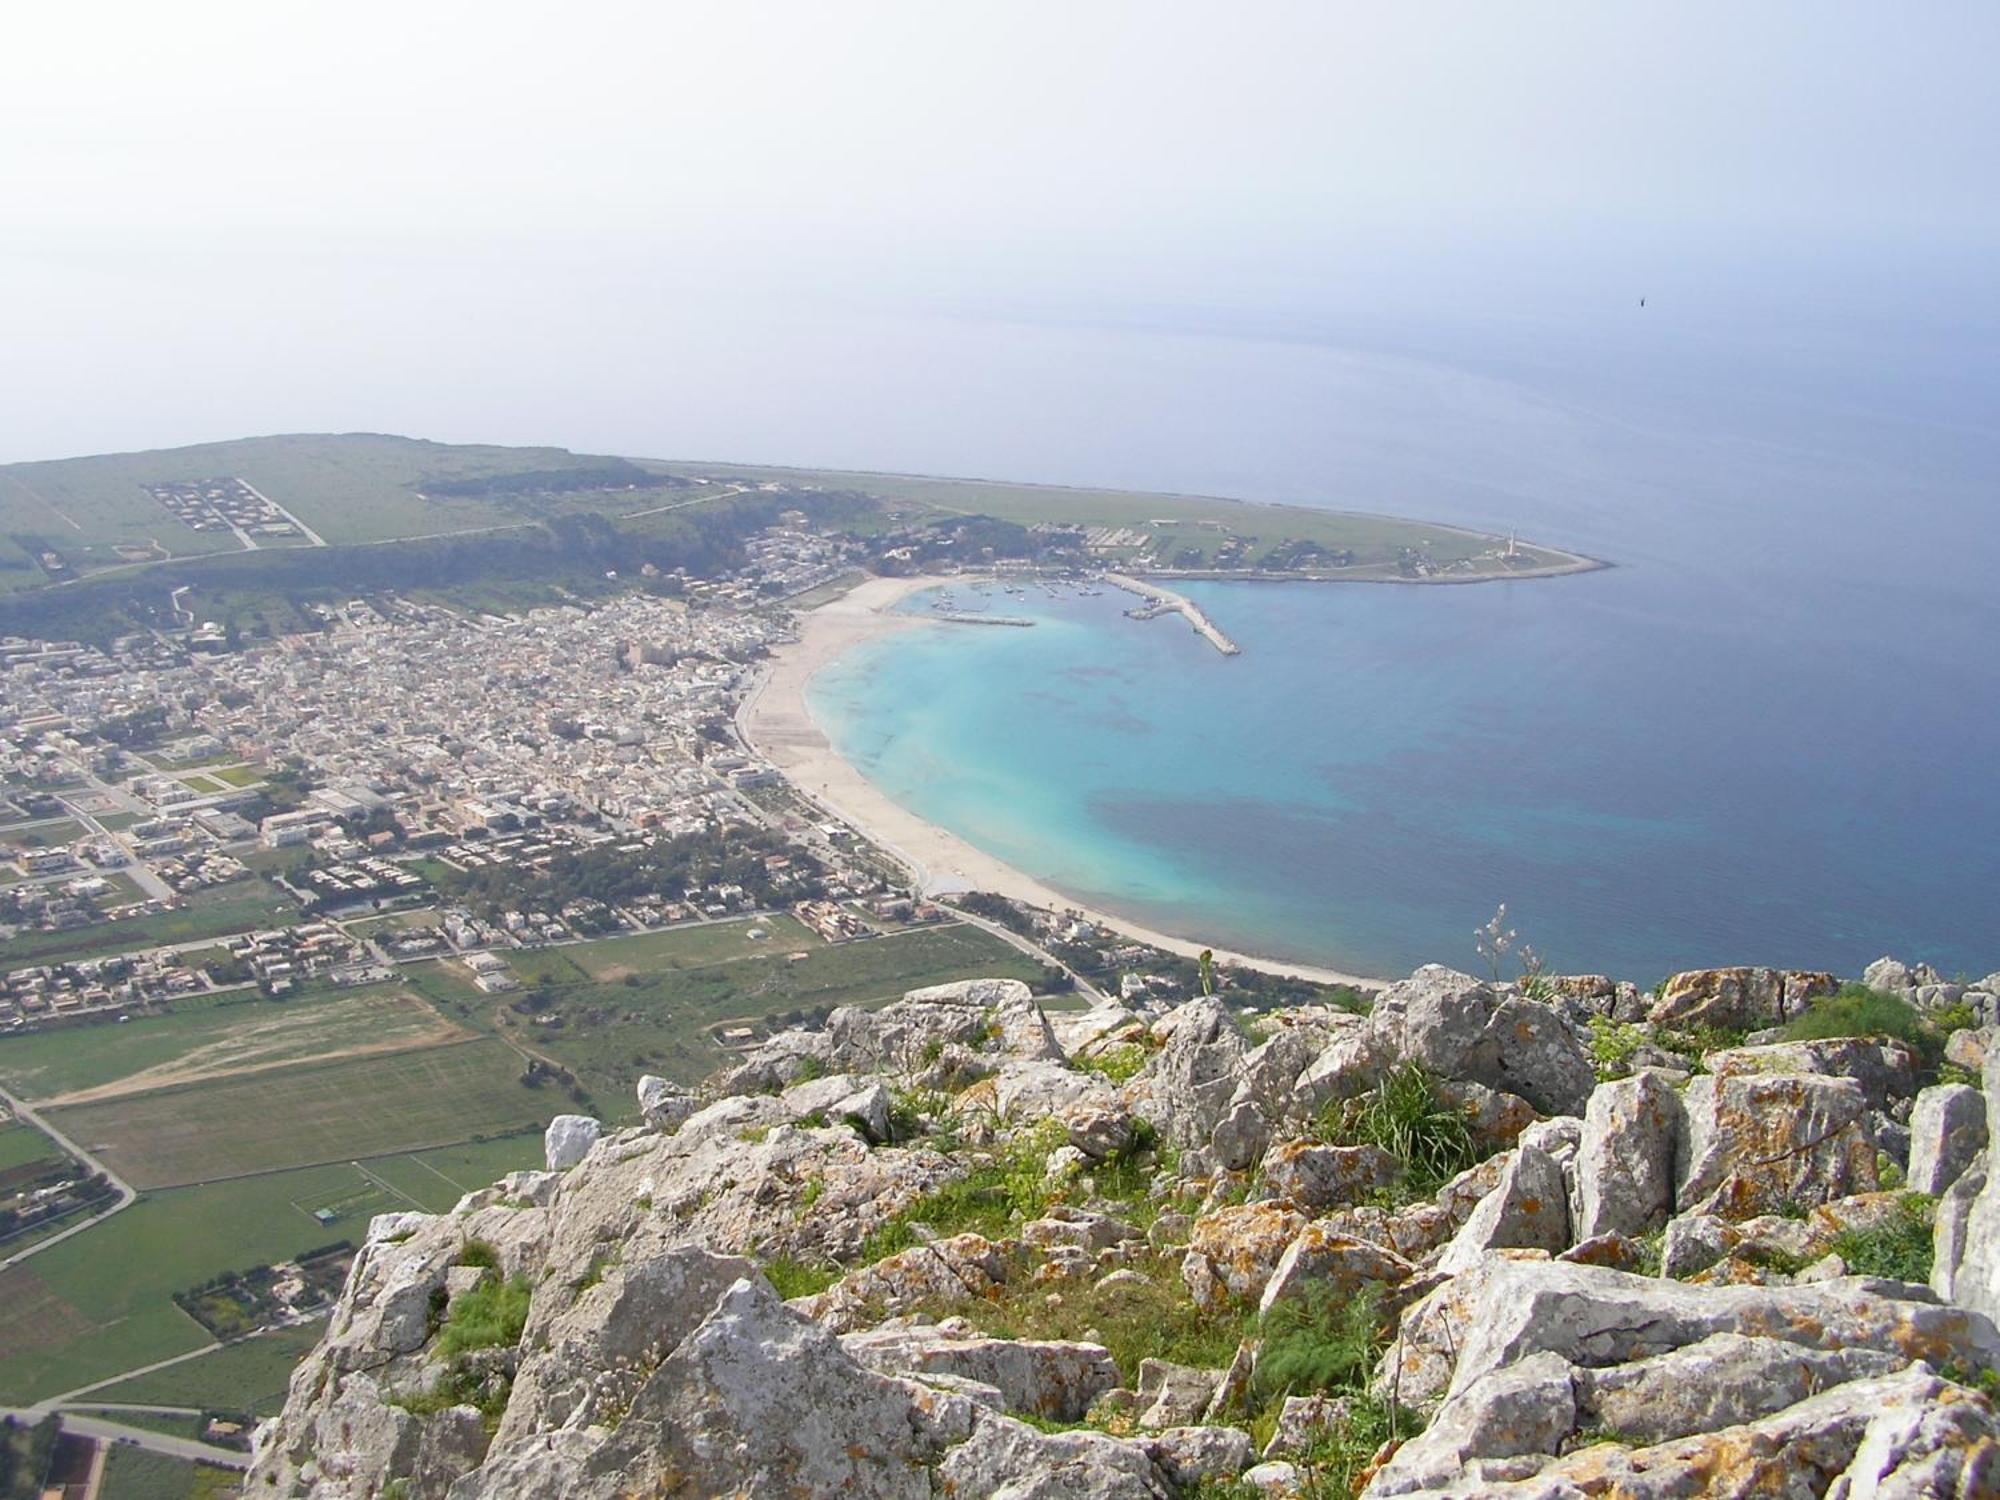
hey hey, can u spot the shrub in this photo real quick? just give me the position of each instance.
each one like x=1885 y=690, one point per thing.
x=479 y=1253
x=1320 y=1342
x=1406 y=1116
x=1612 y=1044
x=1899 y=1249
x=1857 y=1010
x=489 y=1316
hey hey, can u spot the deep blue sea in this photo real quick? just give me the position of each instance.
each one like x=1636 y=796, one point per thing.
x=1767 y=735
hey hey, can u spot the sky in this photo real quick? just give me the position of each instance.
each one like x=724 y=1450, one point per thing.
x=500 y=220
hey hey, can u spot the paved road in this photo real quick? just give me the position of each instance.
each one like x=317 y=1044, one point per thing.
x=137 y=1437
x=126 y=1193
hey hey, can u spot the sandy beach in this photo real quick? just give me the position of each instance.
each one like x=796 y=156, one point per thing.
x=775 y=718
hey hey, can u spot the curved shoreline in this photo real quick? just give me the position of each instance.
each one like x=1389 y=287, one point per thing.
x=776 y=721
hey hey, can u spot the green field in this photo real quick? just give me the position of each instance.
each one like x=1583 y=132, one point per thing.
x=659 y=1020
x=230 y=1033
x=46 y=835
x=135 y=1474
x=21 y=1144
x=220 y=915
x=309 y=1113
x=248 y=1375
x=693 y=947
x=102 y=1303
x=238 y=775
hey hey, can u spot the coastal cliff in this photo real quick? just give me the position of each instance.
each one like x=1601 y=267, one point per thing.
x=1551 y=1239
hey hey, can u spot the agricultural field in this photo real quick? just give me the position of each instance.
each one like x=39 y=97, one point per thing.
x=693 y=947
x=661 y=1020
x=136 y=1474
x=241 y=907
x=248 y=1375
x=102 y=1303
x=238 y=1033
x=22 y=1145
x=307 y=1113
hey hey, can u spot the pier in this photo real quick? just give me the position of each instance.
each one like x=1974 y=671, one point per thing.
x=1161 y=601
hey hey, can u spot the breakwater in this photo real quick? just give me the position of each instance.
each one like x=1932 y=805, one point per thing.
x=1161 y=601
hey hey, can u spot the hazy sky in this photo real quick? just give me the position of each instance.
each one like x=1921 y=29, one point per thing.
x=218 y=218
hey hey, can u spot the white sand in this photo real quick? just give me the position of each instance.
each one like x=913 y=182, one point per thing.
x=776 y=720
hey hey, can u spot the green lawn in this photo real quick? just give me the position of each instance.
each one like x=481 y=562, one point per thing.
x=294 y=1116
x=102 y=1302
x=221 y=915
x=238 y=775
x=438 y=1178
x=248 y=1375
x=135 y=1474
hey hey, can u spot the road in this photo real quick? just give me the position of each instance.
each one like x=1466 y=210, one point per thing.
x=310 y=535
x=126 y=1192
x=138 y=1437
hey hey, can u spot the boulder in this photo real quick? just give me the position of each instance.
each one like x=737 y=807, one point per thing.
x=1187 y=1085
x=1740 y=999
x=1625 y=1158
x=1009 y=1460
x=1504 y=1310
x=1317 y=1177
x=1459 y=1029
x=1527 y=1209
x=1947 y=1134
x=664 y=1105
x=1948 y=1229
x=1886 y=1070
x=1191 y=1457
x=1027 y=1090
x=1234 y=1250
x=568 y=1140
x=1757 y=1143
x=1100 y=1131
x=963 y=1265
x=1054 y=1380
x=1172 y=1395
x=1340 y=1264
x=843 y=1098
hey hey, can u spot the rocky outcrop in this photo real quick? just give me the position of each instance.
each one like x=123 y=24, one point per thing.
x=1641 y=1290
x=1743 y=999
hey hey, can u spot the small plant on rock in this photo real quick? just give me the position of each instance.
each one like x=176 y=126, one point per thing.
x=1406 y=1116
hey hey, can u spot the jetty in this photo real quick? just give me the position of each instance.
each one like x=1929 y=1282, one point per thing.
x=957 y=617
x=1161 y=601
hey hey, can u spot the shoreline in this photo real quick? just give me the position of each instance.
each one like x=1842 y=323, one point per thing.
x=777 y=723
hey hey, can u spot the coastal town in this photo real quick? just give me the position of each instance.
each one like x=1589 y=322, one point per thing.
x=324 y=922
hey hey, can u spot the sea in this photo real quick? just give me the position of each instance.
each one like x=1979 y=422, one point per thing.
x=1767 y=734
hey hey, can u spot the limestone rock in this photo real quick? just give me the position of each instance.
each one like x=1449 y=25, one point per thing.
x=1100 y=1131
x=1948 y=1229
x=1764 y=1142
x=663 y=1104
x=1527 y=1210
x=1234 y=1250
x=1504 y=1310
x=1625 y=1158
x=1051 y=1379
x=1460 y=1029
x=1191 y=1456
x=963 y=1265
x=1947 y=1134
x=1344 y=1266
x=1886 y=1070
x=1740 y=999
x=1526 y=1408
x=1009 y=1460
x=841 y=1098
x=568 y=1140
x=1172 y=1395
x=1187 y=1086
x=1317 y=1177
x=453 y=1443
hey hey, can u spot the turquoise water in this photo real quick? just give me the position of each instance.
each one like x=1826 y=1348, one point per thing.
x=1766 y=736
